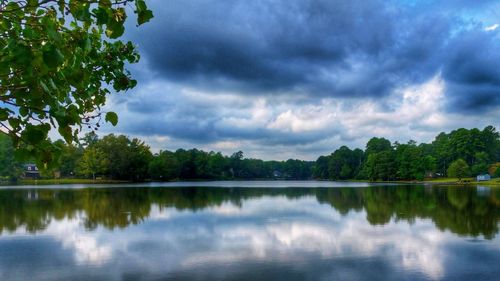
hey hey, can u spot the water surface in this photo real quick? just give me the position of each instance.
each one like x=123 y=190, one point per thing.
x=258 y=231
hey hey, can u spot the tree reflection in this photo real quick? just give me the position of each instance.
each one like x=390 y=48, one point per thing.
x=462 y=210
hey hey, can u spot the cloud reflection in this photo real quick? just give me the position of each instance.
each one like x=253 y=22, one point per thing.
x=265 y=231
x=210 y=233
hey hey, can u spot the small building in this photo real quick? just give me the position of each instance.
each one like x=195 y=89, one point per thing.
x=31 y=171
x=484 y=177
x=431 y=175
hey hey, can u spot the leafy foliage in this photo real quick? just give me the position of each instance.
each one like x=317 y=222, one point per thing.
x=164 y=166
x=496 y=174
x=70 y=156
x=345 y=163
x=383 y=161
x=10 y=169
x=459 y=169
x=480 y=164
x=128 y=159
x=93 y=162
x=198 y=164
x=58 y=62
x=121 y=158
x=131 y=159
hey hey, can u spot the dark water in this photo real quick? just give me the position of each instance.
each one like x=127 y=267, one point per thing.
x=251 y=233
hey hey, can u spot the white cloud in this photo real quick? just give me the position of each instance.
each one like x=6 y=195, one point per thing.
x=491 y=27
x=85 y=246
x=167 y=116
x=270 y=229
x=306 y=118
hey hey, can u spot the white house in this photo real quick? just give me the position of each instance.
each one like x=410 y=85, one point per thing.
x=484 y=177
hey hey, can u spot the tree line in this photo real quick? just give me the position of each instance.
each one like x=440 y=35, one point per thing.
x=119 y=157
x=460 y=153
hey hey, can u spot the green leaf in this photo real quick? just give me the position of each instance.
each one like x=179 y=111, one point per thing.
x=52 y=84
x=4 y=68
x=4 y=114
x=140 y=5
x=144 y=16
x=101 y=16
x=66 y=133
x=34 y=134
x=53 y=57
x=22 y=54
x=50 y=29
x=12 y=6
x=22 y=154
x=115 y=30
x=87 y=45
x=28 y=33
x=62 y=5
x=23 y=111
x=73 y=114
x=115 y=26
x=105 y=3
x=82 y=12
x=14 y=122
x=112 y=118
x=44 y=87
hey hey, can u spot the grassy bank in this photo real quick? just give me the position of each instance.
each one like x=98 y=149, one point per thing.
x=464 y=181
x=450 y=180
x=444 y=181
x=492 y=182
x=67 y=181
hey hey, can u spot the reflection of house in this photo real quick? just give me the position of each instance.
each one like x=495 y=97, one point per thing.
x=32 y=195
x=31 y=171
x=484 y=177
x=483 y=191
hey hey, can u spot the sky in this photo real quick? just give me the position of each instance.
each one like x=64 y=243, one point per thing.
x=299 y=78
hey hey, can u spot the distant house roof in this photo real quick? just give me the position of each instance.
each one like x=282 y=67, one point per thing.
x=31 y=169
x=485 y=177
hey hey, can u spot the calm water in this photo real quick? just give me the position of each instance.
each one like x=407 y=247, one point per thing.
x=259 y=231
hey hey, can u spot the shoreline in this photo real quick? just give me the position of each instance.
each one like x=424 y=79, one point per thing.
x=493 y=182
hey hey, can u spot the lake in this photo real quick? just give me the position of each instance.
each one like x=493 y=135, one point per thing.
x=249 y=231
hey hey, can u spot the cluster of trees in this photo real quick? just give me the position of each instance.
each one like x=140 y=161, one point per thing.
x=459 y=154
x=198 y=164
x=121 y=158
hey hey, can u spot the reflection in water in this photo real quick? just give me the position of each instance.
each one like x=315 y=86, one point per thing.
x=373 y=233
x=462 y=210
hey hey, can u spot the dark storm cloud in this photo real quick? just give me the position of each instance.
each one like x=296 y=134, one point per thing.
x=183 y=121
x=206 y=63
x=472 y=71
x=321 y=48
x=268 y=46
